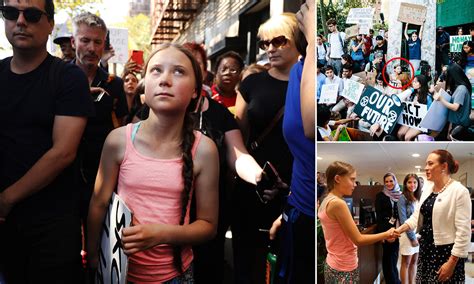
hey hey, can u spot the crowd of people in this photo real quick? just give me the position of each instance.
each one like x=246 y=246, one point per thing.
x=363 y=58
x=184 y=153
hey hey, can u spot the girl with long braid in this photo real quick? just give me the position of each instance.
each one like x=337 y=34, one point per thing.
x=157 y=165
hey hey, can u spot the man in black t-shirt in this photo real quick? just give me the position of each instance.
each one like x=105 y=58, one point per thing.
x=44 y=108
x=89 y=34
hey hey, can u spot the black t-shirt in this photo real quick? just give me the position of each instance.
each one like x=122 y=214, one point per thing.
x=265 y=96
x=100 y=125
x=381 y=49
x=28 y=109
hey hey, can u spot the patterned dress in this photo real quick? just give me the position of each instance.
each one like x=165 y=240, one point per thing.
x=432 y=257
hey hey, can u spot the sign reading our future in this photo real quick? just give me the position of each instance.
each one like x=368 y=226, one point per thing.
x=375 y=107
x=455 y=42
x=413 y=114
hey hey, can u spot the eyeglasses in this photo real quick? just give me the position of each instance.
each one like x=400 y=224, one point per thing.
x=231 y=70
x=32 y=15
x=277 y=42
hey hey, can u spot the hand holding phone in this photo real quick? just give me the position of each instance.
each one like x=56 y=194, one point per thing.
x=266 y=188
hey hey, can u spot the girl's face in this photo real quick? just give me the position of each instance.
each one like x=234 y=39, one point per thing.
x=414 y=37
x=380 y=83
x=130 y=83
x=412 y=184
x=389 y=183
x=398 y=70
x=170 y=81
x=415 y=84
x=346 y=183
x=228 y=73
x=319 y=40
x=466 y=48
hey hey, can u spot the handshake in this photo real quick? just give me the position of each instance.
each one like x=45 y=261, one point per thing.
x=391 y=235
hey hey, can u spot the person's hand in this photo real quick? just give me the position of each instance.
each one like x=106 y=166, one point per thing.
x=140 y=237
x=133 y=66
x=306 y=20
x=391 y=235
x=275 y=227
x=5 y=207
x=99 y=91
x=437 y=96
x=446 y=271
x=432 y=89
x=340 y=127
x=374 y=129
x=270 y=194
x=108 y=54
x=414 y=243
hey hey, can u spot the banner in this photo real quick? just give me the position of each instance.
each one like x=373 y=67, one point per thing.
x=412 y=14
x=329 y=94
x=356 y=14
x=455 y=42
x=413 y=114
x=113 y=262
x=437 y=115
x=375 y=107
x=352 y=31
x=119 y=41
x=352 y=90
x=343 y=135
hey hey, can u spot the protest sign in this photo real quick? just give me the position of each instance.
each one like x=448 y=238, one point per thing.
x=119 y=42
x=455 y=42
x=413 y=114
x=343 y=134
x=437 y=115
x=375 y=107
x=113 y=262
x=352 y=31
x=352 y=90
x=412 y=13
x=329 y=94
x=356 y=14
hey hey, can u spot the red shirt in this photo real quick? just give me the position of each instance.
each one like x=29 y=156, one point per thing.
x=226 y=101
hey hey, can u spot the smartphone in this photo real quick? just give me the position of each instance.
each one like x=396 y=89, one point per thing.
x=137 y=57
x=107 y=41
x=269 y=179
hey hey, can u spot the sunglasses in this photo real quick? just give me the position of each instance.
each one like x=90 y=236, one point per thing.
x=32 y=15
x=277 y=42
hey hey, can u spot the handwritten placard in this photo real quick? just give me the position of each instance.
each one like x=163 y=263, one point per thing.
x=412 y=13
x=356 y=14
x=329 y=94
x=352 y=90
x=413 y=114
x=119 y=41
x=455 y=42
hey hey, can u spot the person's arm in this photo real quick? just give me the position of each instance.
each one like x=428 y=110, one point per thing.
x=66 y=135
x=105 y=183
x=402 y=214
x=241 y=107
x=338 y=209
x=238 y=158
x=405 y=32
x=275 y=227
x=306 y=22
x=355 y=46
x=421 y=32
x=451 y=106
x=140 y=237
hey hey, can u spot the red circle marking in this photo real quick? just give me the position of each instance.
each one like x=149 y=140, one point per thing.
x=412 y=72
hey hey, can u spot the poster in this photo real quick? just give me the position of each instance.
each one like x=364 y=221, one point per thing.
x=455 y=42
x=413 y=114
x=329 y=94
x=437 y=115
x=375 y=107
x=343 y=135
x=356 y=14
x=352 y=90
x=119 y=41
x=412 y=13
x=113 y=262
x=352 y=31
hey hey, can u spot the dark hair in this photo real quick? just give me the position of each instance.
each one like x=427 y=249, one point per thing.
x=196 y=47
x=471 y=28
x=331 y=22
x=347 y=57
x=337 y=169
x=412 y=196
x=137 y=104
x=379 y=37
x=48 y=7
x=414 y=33
x=446 y=157
x=464 y=55
x=300 y=42
x=348 y=67
x=329 y=67
x=380 y=77
x=323 y=115
x=230 y=54
x=320 y=65
x=422 y=92
x=187 y=141
x=456 y=77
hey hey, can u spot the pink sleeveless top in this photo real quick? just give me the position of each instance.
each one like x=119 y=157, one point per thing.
x=152 y=188
x=342 y=252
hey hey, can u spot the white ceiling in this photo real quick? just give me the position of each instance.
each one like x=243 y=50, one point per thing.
x=376 y=159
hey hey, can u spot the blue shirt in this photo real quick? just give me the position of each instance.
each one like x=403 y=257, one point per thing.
x=302 y=195
x=405 y=209
x=321 y=82
x=414 y=49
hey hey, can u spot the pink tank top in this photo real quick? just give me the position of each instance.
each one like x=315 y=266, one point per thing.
x=342 y=252
x=151 y=188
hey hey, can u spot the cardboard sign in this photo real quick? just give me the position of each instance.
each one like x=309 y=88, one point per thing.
x=412 y=13
x=352 y=31
x=343 y=135
x=356 y=14
x=413 y=114
x=329 y=94
x=455 y=42
x=119 y=41
x=352 y=90
x=375 y=107
x=437 y=115
x=113 y=262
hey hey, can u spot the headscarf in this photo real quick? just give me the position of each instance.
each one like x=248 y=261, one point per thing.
x=395 y=193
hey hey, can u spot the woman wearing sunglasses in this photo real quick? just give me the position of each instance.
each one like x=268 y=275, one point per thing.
x=259 y=109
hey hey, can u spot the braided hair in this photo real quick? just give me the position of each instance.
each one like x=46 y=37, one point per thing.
x=186 y=144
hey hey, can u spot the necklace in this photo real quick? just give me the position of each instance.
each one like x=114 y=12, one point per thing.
x=444 y=187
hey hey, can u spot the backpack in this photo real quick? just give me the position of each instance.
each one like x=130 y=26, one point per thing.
x=343 y=44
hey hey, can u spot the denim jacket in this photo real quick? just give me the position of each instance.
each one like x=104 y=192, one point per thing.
x=405 y=209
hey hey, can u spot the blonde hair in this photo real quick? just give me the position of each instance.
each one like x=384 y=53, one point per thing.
x=337 y=169
x=284 y=24
x=89 y=20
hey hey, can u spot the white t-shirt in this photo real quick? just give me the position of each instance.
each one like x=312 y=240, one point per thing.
x=337 y=50
x=322 y=50
x=336 y=80
x=325 y=132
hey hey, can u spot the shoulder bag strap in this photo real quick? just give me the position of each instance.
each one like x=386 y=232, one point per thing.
x=255 y=144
